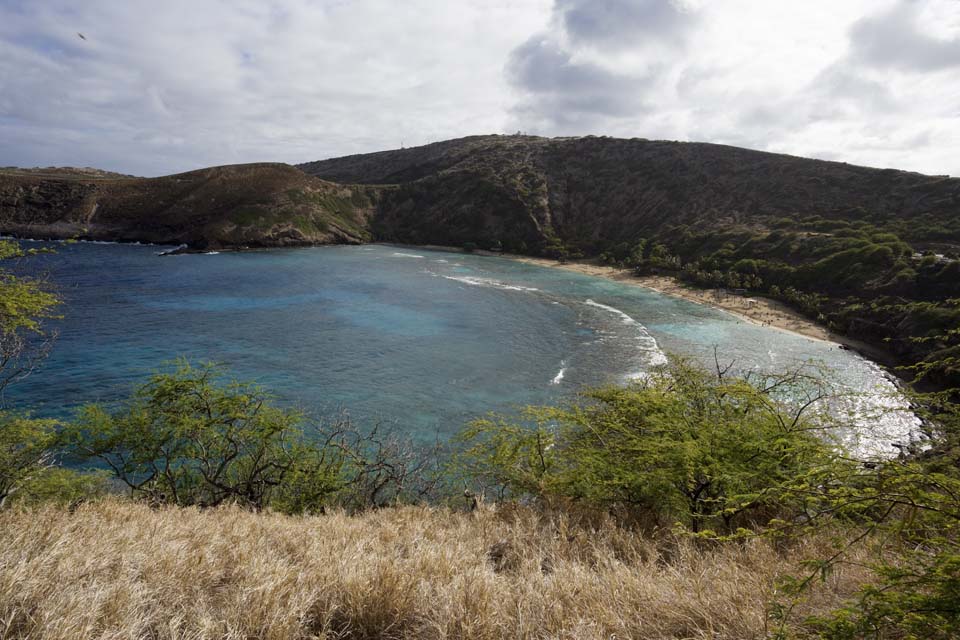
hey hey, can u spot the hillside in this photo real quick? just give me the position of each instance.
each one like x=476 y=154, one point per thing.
x=525 y=193
x=220 y=207
x=591 y=192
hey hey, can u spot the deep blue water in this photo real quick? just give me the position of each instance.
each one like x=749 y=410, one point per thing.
x=424 y=339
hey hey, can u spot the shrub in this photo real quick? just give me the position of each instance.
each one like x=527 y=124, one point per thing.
x=25 y=303
x=912 y=508
x=59 y=485
x=189 y=439
x=186 y=440
x=27 y=449
x=682 y=445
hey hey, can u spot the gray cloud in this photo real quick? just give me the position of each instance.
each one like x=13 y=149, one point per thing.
x=624 y=23
x=561 y=92
x=842 y=83
x=893 y=39
x=847 y=82
x=564 y=90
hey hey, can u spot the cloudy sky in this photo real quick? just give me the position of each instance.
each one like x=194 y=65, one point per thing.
x=160 y=87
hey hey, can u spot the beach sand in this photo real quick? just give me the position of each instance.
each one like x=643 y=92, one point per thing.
x=754 y=309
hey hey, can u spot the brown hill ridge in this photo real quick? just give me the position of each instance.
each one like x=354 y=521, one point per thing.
x=253 y=205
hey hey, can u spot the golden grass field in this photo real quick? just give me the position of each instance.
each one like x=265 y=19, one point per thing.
x=118 y=569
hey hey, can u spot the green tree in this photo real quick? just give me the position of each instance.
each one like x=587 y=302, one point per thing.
x=909 y=510
x=27 y=450
x=25 y=304
x=506 y=458
x=187 y=439
x=27 y=446
x=60 y=485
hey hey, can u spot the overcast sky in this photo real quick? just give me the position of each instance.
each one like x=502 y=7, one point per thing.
x=164 y=86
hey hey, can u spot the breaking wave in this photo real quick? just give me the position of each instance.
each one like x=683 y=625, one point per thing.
x=655 y=356
x=490 y=282
x=559 y=377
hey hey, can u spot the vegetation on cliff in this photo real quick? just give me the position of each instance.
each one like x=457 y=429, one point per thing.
x=593 y=193
x=856 y=279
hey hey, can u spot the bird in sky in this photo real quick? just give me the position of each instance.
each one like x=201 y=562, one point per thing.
x=82 y=37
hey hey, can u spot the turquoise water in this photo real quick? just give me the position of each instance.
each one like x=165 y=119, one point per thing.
x=425 y=340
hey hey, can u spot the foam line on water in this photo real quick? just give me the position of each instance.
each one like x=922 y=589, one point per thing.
x=400 y=254
x=489 y=282
x=656 y=355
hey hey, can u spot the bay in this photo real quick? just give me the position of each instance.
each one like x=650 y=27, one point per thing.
x=422 y=340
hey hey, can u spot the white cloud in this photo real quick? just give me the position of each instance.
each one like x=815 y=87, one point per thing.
x=162 y=87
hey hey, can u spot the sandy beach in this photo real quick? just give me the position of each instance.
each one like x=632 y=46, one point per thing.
x=754 y=309
x=761 y=311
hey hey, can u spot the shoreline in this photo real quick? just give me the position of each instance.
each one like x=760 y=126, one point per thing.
x=756 y=310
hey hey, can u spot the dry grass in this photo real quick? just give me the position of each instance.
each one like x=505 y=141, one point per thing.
x=121 y=570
